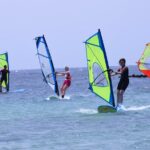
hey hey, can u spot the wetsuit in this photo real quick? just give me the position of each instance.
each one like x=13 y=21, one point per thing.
x=4 y=73
x=67 y=79
x=124 y=80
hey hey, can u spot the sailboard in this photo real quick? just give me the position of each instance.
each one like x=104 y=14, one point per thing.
x=98 y=71
x=4 y=61
x=144 y=61
x=46 y=64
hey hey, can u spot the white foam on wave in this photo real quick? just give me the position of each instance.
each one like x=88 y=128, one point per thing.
x=58 y=98
x=17 y=91
x=81 y=95
x=146 y=87
x=87 y=111
x=135 y=108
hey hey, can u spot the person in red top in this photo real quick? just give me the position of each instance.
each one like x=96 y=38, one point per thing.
x=67 y=81
x=4 y=73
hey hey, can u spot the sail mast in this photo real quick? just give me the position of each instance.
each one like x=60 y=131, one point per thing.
x=108 y=68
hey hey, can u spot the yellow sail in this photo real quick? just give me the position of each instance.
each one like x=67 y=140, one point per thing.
x=98 y=68
x=3 y=62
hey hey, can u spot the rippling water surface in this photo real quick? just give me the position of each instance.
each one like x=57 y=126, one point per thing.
x=30 y=121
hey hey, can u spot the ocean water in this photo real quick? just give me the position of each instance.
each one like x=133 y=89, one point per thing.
x=29 y=121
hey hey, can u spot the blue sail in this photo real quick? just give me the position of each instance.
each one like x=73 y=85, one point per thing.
x=46 y=63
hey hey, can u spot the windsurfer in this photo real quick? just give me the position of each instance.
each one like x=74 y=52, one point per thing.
x=4 y=73
x=124 y=81
x=67 y=81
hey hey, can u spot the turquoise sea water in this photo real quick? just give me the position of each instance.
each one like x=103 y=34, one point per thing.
x=29 y=121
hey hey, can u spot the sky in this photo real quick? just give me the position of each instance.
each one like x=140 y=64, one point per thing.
x=66 y=24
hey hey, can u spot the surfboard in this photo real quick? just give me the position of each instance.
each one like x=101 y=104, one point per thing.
x=106 y=109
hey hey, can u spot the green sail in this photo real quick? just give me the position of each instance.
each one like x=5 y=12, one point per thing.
x=98 y=68
x=3 y=62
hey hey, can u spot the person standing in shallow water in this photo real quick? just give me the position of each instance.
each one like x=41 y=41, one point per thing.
x=124 y=81
x=67 y=81
x=4 y=73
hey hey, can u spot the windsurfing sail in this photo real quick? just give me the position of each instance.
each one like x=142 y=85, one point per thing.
x=98 y=68
x=46 y=63
x=4 y=61
x=144 y=61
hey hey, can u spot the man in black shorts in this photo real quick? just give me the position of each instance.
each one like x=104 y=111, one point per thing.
x=4 y=73
x=124 y=81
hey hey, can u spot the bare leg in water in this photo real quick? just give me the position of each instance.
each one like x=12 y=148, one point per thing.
x=120 y=97
x=63 y=90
